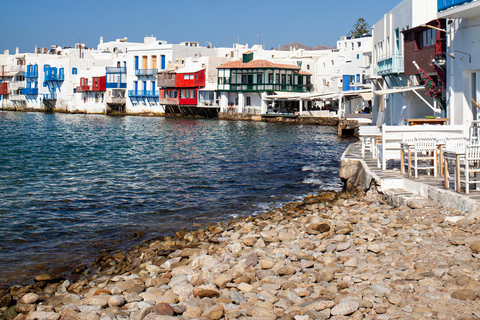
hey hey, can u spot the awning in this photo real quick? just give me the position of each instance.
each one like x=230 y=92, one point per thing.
x=284 y=96
x=398 y=90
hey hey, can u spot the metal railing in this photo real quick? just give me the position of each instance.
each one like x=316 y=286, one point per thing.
x=116 y=85
x=30 y=91
x=113 y=70
x=50 y=96
x=143 y=93
x=146 y=72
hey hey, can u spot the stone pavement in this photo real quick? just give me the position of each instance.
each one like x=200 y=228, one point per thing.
x=400 y=189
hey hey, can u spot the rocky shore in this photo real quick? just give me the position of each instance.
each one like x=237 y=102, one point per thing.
x=330 y=256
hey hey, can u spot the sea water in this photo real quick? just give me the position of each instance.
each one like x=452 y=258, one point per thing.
x=72 y=185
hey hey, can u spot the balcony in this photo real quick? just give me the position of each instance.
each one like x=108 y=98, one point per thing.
x=30 y=91
x=3 y=89
x=446 y=4
x=53 y=76
x=15 y=85
x=146 y=72
x=30 y=74
x=116 y=85
x=267 y=87
x=84 y=88
x=143 y=93
x=116 y=70
x=391 y=64
x=51 y=96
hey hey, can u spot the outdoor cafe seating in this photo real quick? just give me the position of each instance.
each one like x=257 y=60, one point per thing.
x=451 y=151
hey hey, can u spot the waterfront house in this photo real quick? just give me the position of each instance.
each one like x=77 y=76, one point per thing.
x=463 y=61
x=244 y=84
x=398 y=96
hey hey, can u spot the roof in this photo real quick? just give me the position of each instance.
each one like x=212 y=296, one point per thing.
x=257 y=64
x=192 y=69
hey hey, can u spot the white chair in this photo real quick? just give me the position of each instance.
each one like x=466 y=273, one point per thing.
x=471 y=166
x=457 y=144
x=425 y=155
x=368 y=136
x=407 y=144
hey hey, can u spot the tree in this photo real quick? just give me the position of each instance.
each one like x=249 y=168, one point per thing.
x=360 y=28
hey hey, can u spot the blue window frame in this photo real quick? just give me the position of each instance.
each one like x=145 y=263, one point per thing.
x=74 y=70
x=136 y=62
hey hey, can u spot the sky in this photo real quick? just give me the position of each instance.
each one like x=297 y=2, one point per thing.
x=28 y=23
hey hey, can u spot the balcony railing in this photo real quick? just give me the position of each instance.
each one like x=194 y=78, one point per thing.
x=30 y=91
x=266 y=87
x=143 y=93
x=446 y=4
x=116 y=85
x=146 y=72
x=390 y=64
x=30 y=74
x=114 y=70
x=50 y=96
x=54 y=77
x=83 y=88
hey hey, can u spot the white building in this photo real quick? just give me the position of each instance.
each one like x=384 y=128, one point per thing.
x=463 y=60
x=394 y=99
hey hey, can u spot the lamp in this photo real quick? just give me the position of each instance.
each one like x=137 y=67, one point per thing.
x=452 y=55
x=432 y=27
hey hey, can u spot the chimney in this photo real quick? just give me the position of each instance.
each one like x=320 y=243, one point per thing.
x=6 y=52
x=17 y=51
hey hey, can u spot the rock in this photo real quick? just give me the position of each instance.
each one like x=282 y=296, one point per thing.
x=222 y=280
x=267 y=264
x=29 y=298
x=249 y=241
x=343 y=246
x=237 y=297
x=286 y=271
x=206 y=293
x=317 y=228
x=44 y=315
x=322 y=305
x=116 y=301
x=380 y=290
x=325 y=275
x=193 y=312
x=345 y=308
x=464 y=295
x=263 y=313
x=475 y=247
x=252 y=260
x=164 y=309
x=245 y=287
x=375 y=248
x=215 y=312
x=5 y=300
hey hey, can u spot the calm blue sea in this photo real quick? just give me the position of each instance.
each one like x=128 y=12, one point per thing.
x=69 y=182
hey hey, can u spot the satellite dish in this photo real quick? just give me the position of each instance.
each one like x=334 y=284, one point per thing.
x=208 y=44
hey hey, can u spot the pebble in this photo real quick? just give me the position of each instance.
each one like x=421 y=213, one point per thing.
x=330 y=256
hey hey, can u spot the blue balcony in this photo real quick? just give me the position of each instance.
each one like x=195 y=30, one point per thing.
x=392 y=64
x=146 y=72
x=116 y=70
x=115 y=85
x=52 y=74
x=30 y=91
x=51 y=96
x=446 y=4
x=31 y=73
x=143 y=93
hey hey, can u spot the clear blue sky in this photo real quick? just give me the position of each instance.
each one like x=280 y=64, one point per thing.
x=66 y=22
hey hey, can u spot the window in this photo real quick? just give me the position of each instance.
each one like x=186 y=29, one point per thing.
x=277 y=78
x=270 y=78
x=284 y=79
x=259 y=78
x=74 y=70
x=244 y=78
x=426 y=38
x=249 y=101
x=359 y=44
x=358 y=56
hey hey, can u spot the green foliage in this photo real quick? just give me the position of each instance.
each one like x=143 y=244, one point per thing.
x=360 y=28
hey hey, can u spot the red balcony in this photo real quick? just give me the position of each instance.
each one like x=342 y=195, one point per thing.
x=98 y=85
x=168 y=96
x=3 y=89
